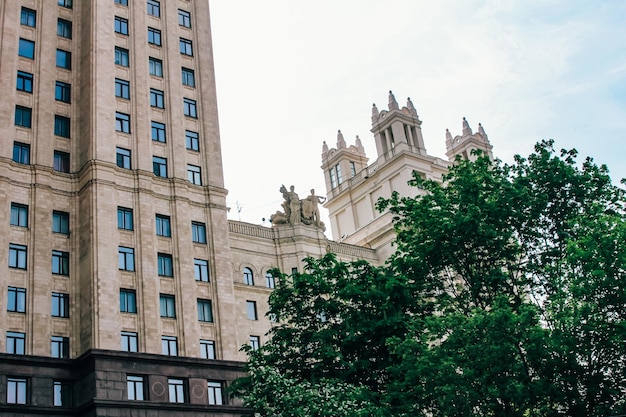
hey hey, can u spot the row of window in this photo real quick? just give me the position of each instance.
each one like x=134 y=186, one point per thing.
x=26 y=49
x=125 y=221
x=18 y=256
x=24 y=116
x=62 y=91
x=60 y=219
x=59 y=345
x=17 y=391
x=121 y=25
x=16 y=302
x=60 y=162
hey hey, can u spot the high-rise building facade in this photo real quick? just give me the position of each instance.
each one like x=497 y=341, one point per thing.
x=118 y=276
x=124 y=289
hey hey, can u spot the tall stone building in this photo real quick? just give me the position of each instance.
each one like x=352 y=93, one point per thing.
x=125 y=286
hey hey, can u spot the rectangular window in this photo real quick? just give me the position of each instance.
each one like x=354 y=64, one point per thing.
x=248 y=277
x=65 y=3
x=61 y=222
x=192 y=141
x=126 y=258
x=255 y=342
x=158 y=132
x=169 y=346
x=16 y=391
x=62 y=396
x=270 y=281
x=26 y=49
x=122 y=89
x=17 y=256
x=128 y=301
x=167 y=306
x=121 y=25
x=216 y=396
x=189 y=77
x=159 y=166
x=154 y=8
x=176 y=390
x=135 y=387
x=190 y=108
x=205 y=311
x=333 y=178
x=23 y=116
x=24 y=82
x=60 y=263
x=193 y=174
x=165 y=265
x=63 y=92
x=16 y=343
x=201 y=270
x=62 y=126
x=163 y=226
x=61 y=161
x=156 y=98
x=251 y=310
x=186 y=47
x=60 y=347
x=64 y=59
x=154 y=36
x=184 y=18
x=124 y=218
x=28 y=17
x=16 y=300
x=64 y=28
x=19 y=215
x=122 y=2
x=207 y=349
x=123 y=158
x=155 y=66
x=352 y=169
x=21 y=153
x=338 y=170
x=121 y=56
x=122 y=122
x=129 y=342
x=60 y=305
x=198 y=232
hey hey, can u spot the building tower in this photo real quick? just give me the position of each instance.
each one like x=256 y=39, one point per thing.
x=113 y=215
x=401 y=153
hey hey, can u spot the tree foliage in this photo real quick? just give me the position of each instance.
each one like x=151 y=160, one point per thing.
x=505 y=297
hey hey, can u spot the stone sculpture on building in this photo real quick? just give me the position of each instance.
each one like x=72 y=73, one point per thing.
x=297 y=211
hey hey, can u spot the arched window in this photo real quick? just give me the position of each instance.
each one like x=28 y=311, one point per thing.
x=248 y=278
x=270 y=281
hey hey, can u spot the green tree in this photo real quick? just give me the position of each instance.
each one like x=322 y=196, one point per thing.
x=504 y=298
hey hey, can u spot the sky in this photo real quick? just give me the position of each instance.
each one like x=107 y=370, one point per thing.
x=291 y=73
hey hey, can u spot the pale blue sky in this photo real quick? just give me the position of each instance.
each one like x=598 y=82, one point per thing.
x=290 y=73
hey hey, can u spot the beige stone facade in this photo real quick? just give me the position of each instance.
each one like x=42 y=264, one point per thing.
x=113 y=209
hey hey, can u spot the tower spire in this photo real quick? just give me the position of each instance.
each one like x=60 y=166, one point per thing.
x=410 y=106
x=341 y=143
x=393 y=104
x=467 y=130
x=375 y=113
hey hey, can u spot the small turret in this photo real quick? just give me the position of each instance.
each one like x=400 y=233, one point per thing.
x=467 y=130
x=482 y=132
x=359 y=145
x=375 y=113
x=410 y=106
x=324 y=150
x=393 y=104
x=341 y=143
x=448 y=138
